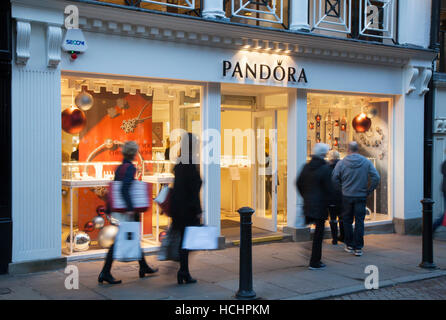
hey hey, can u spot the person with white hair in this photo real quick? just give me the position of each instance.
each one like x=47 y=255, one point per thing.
x=315 y=186
x=125 y=173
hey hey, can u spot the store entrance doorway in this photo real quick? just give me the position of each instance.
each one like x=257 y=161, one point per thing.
x=265 y=170
x=253 y=159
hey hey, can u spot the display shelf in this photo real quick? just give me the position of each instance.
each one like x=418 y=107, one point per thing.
x=85 y=183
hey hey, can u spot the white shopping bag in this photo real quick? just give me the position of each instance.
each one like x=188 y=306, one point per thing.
x=200 y=238
x=127 y=242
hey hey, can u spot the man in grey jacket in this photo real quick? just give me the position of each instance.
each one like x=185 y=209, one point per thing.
x=351 y=175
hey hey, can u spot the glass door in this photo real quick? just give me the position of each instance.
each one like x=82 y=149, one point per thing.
x=265 y=170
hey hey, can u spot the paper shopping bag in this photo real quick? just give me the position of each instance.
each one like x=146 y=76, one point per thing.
x=127 y=242
x=201 y=238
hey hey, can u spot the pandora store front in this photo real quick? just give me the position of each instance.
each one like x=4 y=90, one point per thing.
x=258 y=113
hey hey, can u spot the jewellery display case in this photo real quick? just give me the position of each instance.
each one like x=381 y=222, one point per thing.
x=88 y=174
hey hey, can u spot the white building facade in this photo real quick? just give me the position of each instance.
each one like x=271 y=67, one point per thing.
x=208 y=73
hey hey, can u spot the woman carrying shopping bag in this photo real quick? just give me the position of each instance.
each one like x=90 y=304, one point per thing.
x=185 y=206
x=125 y=173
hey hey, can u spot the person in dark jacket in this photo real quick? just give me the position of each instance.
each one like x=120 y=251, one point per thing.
x=356 y=176
x=185 y=206
x=126 y=173
x=440 y=219
x=314 y=185
x=335 y=203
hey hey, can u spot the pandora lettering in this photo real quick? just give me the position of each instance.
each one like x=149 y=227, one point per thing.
x=264 y=72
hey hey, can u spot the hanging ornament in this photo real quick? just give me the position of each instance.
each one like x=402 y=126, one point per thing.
x=89 y=226
x=98 y=222
x=361 y=123
x=84 y=100
x=81 y=241
x=73 y=120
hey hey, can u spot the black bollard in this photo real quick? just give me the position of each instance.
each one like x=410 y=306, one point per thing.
x=428 y=244
x=245 y=290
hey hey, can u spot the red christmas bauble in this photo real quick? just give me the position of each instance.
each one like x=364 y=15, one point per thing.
x=89 y=226
x=162 y=235
x=74 y=56
x=361 y=123
x=73 y=120
x=100 y=209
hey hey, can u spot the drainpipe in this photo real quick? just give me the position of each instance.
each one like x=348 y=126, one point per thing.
x=427 y=249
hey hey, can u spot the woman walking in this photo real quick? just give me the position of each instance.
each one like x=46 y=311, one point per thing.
x=125 y=173
x=314 y=185
x=335 y=203
x=185 y=207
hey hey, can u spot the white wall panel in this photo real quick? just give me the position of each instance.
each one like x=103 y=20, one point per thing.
x=36 y=156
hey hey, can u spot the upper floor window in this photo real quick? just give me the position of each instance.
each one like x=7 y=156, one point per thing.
x=370 y=20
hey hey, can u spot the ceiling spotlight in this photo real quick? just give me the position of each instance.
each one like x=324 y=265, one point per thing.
x=287 y=48
x=257 y=45
x=279 y=46
x=247 y=43
x=267 y=45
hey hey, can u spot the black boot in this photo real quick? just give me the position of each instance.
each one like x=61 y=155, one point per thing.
x=144 y=267
x=334 y=231
x=105 y=274
x=183 y=275
x=107 y=277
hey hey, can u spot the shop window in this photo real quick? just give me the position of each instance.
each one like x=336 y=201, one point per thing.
x=339 y=119
x=98 y=116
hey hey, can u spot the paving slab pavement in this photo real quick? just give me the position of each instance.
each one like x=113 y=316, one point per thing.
x=280 y=271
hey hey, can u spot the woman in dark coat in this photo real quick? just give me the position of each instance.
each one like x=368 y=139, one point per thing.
x=335 y=203
x=314 y=184
x=185 y=206
x=125 y=173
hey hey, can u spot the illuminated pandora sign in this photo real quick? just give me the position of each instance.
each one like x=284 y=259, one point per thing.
x=259 y=71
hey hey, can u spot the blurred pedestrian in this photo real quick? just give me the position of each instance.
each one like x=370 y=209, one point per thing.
x=440 y=219
x=314 y=185
x=356 y=176
x=335 y=203
x=125 y=173
x=185 y=206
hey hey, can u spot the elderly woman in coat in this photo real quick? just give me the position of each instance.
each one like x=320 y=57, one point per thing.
x=314 y=184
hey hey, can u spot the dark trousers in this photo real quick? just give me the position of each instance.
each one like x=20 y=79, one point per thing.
x=316 y=252
x=354 y=209
x=109 y=261
x=335 y=214
x=109 y=258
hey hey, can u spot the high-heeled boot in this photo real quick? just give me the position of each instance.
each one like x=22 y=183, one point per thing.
x=183 y=275
x=144 y=268
x=107 y=277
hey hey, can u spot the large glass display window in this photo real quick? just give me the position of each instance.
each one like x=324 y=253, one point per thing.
x=98 y=116
x=338 y=119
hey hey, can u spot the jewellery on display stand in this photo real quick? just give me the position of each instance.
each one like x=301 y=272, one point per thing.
x=131 y=124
